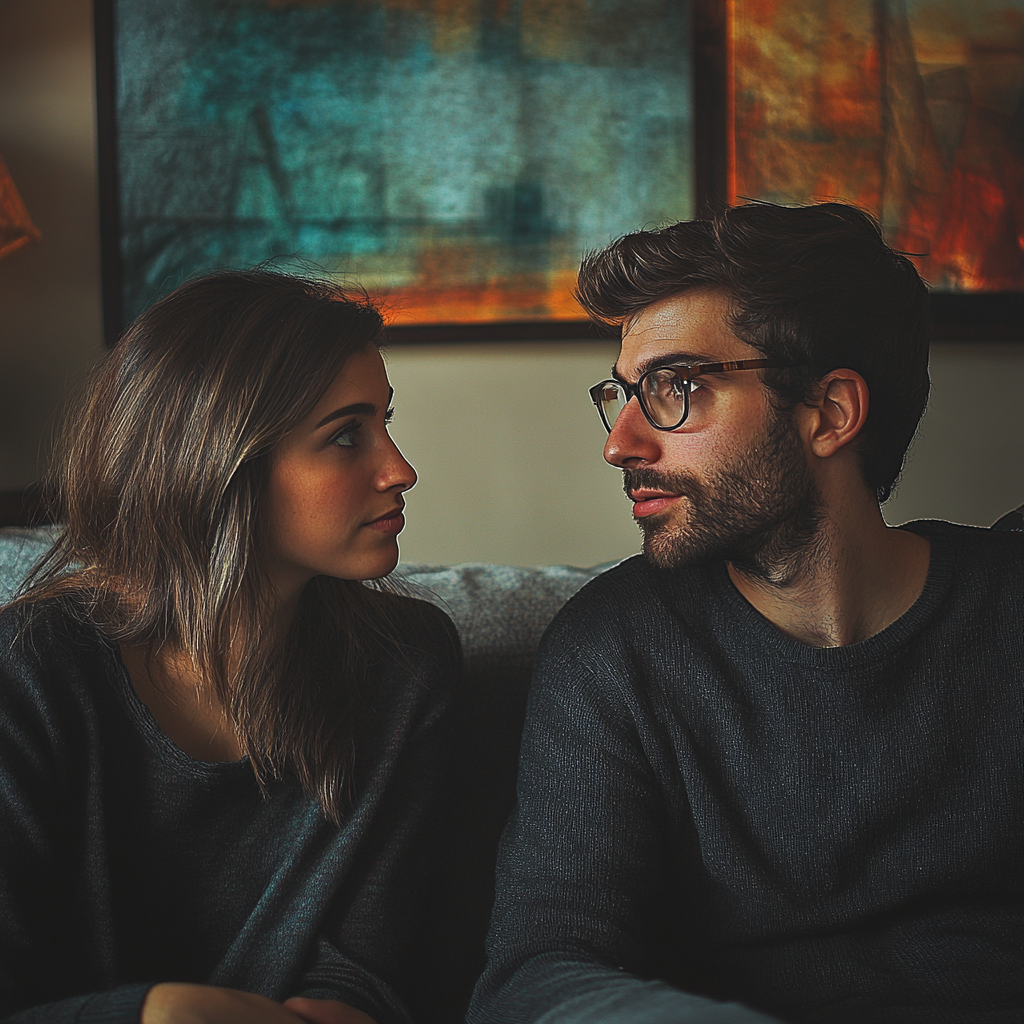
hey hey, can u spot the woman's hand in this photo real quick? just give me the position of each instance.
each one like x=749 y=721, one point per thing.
x=326 y=1011
x=173 y=1003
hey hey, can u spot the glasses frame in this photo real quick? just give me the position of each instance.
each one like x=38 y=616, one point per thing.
x=686 y=372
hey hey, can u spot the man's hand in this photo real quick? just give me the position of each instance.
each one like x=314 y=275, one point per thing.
x=173 y=1003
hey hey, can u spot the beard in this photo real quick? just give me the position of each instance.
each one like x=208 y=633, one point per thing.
x=761 y=512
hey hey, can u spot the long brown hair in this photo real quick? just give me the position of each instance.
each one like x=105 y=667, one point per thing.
x=159 y=481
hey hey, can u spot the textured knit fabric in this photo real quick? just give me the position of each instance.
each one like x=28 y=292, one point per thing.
x=500 y=612
x=125 y=862
x=719 y=823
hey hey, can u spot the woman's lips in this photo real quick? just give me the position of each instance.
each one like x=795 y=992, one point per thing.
x=392 y=522
x=649 y=503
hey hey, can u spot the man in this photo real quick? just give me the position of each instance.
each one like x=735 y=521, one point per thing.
x=771 y=768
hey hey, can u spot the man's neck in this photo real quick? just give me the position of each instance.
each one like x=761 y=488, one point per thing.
x=862 y=576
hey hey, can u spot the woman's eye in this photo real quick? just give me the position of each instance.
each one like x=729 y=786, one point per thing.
x=347 y=437
x=389 y=415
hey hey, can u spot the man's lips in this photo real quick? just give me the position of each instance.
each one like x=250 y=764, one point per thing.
x=647 y=502
x=392 y=522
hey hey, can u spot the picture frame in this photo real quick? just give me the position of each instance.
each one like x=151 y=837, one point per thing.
x=706 y=150
x=712 y=170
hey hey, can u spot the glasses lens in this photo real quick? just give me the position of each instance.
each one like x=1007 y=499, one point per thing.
x=667 y=396
x=611 y=400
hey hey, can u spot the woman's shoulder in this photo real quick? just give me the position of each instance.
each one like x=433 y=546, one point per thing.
x=422 y=629
x=43 y=643
x=50 y=662
x=48 y=625
x=417 y=672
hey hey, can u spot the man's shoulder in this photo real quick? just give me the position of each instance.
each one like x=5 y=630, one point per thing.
x=613 y=593
x=980 y=555
x=622 y=603
x=981 y=537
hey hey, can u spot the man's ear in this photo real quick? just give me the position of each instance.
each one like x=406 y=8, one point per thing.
x=837 y=413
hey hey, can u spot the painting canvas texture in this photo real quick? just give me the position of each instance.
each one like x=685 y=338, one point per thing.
x=913 y=109
x=455 y=157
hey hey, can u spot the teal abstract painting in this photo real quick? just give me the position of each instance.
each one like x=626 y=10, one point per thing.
x=455 y=157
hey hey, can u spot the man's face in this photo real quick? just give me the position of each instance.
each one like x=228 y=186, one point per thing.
x=733 y=481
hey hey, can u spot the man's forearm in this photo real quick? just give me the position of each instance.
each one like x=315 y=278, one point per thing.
x=555 y=991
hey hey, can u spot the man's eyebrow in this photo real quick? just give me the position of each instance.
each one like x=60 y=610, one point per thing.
x=357 y=409
x=667 y=359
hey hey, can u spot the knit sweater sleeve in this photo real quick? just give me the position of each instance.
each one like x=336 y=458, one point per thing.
x=37 y=770
x=581 y=873
x=370 y=951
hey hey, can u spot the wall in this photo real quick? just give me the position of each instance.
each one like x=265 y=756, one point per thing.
x=508 y=448
x=49 y=292
x=504 y=437
x=967 y=461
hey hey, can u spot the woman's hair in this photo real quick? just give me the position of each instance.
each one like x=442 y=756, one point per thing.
x=815 y=286
x=160 y=481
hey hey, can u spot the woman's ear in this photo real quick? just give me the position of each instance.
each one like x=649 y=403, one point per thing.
x=838 y=413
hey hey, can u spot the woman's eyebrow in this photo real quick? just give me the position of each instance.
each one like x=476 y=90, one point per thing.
x=357 y=409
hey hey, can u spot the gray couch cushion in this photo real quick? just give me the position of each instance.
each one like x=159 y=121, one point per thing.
x=500 y=610
x=20 y=549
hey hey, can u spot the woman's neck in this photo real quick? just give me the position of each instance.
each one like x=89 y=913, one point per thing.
x=183 y=703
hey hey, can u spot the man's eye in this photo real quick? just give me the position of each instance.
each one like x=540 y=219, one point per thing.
x=389 y=415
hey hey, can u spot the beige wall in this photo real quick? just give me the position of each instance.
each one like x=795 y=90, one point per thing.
x=504 y=437
x=508 y=448
x=967 y=461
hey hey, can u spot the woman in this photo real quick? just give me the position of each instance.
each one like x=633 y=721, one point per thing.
x=219 y=751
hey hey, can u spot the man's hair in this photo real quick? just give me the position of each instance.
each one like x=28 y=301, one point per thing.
x=814 y=285
x=160 y=483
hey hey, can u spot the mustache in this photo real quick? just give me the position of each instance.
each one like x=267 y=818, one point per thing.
x=643 y=476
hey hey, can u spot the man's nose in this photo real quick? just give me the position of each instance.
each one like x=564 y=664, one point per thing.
x=632 y=439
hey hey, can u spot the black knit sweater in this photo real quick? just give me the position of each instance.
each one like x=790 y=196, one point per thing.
x=125 y=862
x=719 y=823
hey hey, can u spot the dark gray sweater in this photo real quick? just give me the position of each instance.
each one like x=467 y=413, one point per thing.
x=125 y=862
x=718 y=823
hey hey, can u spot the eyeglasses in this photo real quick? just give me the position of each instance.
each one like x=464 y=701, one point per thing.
x=664 y=391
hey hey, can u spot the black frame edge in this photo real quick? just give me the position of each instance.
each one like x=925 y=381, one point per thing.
x=109 y=199
x=985 y=316
x=712 y=122
x=509 y=331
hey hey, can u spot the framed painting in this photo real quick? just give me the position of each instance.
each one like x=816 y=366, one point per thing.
x=453 y=157
x=912 y=109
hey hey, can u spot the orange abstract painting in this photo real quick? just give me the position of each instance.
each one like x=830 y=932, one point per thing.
x=913 y=109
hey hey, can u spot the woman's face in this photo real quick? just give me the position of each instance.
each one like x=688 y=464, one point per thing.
x=334 y=498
